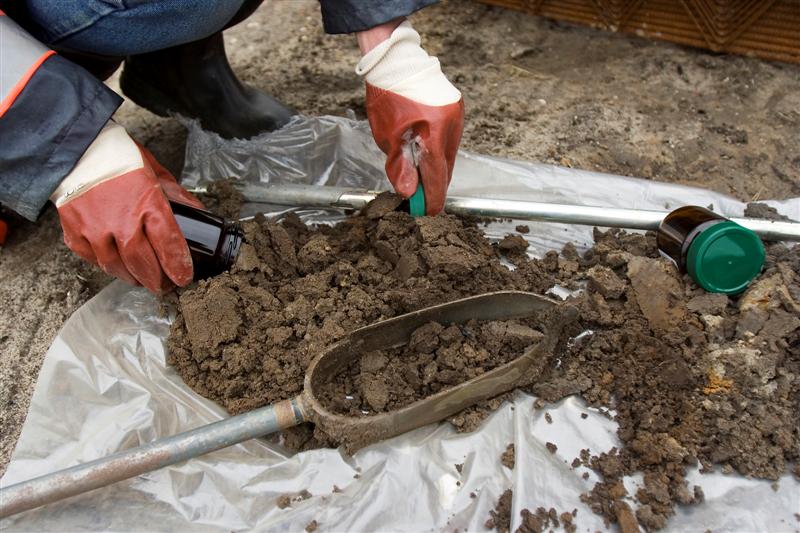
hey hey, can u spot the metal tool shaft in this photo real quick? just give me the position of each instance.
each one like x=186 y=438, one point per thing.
x=146 y=458
x=610 y=217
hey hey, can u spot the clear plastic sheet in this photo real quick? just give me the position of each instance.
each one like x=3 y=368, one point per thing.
x=104 y=386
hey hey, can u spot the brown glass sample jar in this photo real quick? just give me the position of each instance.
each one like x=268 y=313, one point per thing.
x=213 y=241
x=719 y=254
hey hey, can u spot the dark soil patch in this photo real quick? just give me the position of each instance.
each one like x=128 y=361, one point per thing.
x=693 y=378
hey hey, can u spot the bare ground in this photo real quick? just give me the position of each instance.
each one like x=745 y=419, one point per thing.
x=534 y=89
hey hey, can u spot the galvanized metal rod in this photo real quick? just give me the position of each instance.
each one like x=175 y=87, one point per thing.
x=611 y=217
x=146 y=458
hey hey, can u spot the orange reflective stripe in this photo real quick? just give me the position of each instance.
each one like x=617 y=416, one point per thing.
x=23 y=81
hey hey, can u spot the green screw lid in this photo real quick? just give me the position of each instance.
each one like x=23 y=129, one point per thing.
x=416 y=204
x=725 y=258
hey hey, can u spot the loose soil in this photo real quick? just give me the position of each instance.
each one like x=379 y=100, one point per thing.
x=651 y=110
x=693 y=377
x=532 y=522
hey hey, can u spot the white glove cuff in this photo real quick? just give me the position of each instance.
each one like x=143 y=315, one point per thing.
x=111 y=154
x=400 y=65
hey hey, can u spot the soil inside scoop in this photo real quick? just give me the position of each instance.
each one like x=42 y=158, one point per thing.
x=436 y=358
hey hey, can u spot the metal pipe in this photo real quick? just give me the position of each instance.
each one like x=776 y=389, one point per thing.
x=148 y=457
x=306 y=195
x=610 y=217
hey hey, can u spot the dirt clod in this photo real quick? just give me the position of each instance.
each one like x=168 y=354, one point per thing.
x=500 y=516
x=284 y=501
x=508 y=459
x=625 y=517
x=759 y=210
x=513 y=244
x=546 y=520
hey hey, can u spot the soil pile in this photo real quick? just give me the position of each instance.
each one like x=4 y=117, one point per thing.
x=693 y=377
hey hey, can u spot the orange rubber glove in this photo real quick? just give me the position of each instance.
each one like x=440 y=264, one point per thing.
x=115 y=213
x=415 y=113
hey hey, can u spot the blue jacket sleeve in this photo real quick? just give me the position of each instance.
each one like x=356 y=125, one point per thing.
x=349 y=16
x=50 y=112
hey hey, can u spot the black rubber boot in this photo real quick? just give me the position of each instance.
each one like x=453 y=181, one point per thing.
x=195 y=80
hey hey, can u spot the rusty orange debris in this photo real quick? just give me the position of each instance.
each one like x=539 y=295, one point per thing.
x=717 y=384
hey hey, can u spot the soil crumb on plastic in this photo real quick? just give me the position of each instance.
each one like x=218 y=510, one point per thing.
x=691 y=378
x=286 y=500
x=546 y=520
x=513 y=244
x=508 y=459
x=760 y=210
x=500 y=516
x=312 y=526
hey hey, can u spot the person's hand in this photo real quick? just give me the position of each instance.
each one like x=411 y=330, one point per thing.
x=415 y=113
x=115 y=213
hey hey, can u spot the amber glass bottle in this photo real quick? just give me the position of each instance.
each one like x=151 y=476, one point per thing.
x=213 y=241
x=719 y=254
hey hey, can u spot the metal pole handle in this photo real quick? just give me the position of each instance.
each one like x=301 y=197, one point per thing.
x=146 y=458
